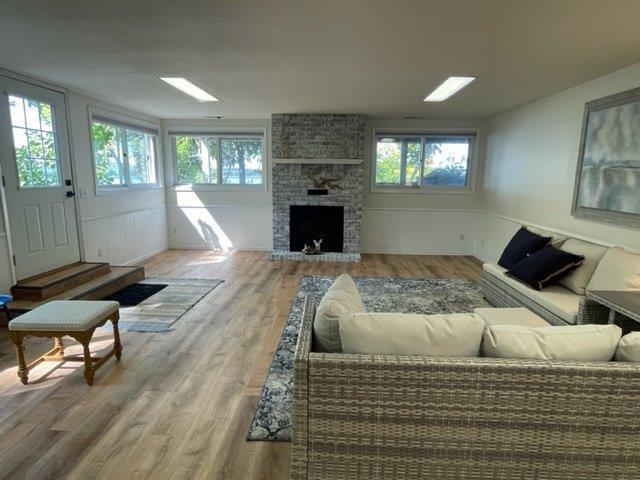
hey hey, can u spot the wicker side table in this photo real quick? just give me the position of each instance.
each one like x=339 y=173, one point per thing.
x=624 y=307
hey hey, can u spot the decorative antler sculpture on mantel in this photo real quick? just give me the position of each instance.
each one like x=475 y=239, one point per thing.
x=322 y=182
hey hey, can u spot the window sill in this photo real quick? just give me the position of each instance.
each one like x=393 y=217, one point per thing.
x=104 y=191
x=219 y=188
x=425 y=191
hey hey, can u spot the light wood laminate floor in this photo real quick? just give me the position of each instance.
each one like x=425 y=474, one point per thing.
x=179 y=403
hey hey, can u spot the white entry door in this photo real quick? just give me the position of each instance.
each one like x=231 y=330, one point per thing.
x=36 y=171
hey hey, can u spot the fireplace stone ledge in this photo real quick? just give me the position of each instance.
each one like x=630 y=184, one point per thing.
x=325 y=257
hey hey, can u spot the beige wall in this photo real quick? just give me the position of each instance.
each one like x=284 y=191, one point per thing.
x=530 y=165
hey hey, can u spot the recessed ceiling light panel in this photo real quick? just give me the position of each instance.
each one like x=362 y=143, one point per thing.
x=189 y=88
x=448 y=88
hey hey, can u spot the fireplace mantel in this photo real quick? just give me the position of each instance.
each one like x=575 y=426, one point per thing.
x=320 y=161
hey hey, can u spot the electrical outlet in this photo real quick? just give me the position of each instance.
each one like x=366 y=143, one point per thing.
x=100 y=252
x=482 y=241
x=462 y=237
x=173 y=230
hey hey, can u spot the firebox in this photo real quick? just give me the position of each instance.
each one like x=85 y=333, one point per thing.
x=313 y=222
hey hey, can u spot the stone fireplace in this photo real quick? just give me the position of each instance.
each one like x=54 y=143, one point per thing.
x=317 y=146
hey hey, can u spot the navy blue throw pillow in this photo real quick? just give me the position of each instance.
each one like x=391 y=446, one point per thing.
x=544 y=267
x=522 y=244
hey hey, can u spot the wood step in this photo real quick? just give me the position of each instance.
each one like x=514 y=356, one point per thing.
x=48 y=284
x=94 y=289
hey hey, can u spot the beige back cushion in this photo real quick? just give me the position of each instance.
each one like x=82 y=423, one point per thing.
x=557 y=239
x=578 y=279
x=576 y=342
x=456 y=334
x=618 y=270
x=629 y=348
x=342 y=297
x=510 y=316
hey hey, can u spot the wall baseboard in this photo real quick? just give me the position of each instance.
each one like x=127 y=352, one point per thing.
x=187 y=246
x=147 y=256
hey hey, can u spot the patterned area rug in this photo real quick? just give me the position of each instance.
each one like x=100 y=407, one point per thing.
x=272 y=419
x=161 y=310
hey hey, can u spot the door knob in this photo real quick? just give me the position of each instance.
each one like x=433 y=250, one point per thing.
x=70 y=194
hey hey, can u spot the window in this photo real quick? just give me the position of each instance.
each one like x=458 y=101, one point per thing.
x=34 y=141
x=211 y=159
x=424 y=161
x=124 y=155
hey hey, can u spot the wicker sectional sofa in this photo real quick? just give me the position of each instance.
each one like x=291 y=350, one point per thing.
x=417 y=417
x=572 y=309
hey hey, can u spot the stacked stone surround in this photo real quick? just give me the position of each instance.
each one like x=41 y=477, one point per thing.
x=317 y=137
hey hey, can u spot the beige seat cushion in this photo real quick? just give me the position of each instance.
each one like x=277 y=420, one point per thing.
x=510 y=316
x=577 y=280
x=618 y=270
x=557 y=239
x=557 y=299
x=61 y=315
x=629 y=348
x=575 y=342
x=457 y=334
x=342 y=297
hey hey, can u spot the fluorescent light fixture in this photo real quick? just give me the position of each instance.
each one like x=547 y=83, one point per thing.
x=449 y=87
x=189 y=88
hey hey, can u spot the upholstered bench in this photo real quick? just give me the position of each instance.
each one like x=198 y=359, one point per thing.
x=74 y=318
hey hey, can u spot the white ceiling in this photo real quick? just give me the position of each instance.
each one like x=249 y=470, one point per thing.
x=273 y=56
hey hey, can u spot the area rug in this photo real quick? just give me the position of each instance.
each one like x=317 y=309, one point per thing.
x=135 y=294
x=161 y=310
x=272 y=419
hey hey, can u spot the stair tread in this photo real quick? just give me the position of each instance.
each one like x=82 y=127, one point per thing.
x=78 y=291
x=47 y=279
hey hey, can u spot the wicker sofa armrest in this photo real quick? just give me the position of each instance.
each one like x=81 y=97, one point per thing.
x=301 y=391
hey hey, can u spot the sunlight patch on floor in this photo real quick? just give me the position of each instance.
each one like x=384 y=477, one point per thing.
x=50 y=373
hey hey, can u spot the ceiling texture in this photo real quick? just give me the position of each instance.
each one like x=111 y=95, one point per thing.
x=378 y=58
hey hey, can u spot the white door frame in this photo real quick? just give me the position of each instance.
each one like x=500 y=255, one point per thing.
x=3 y=200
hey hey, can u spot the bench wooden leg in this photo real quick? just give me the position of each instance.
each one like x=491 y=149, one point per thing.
x=57 y=341
x=117 y=346
x=88 y=364
x=18 y=343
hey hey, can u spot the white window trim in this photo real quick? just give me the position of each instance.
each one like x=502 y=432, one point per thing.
x=470 y=189
x=118 y=189
x=213 y=187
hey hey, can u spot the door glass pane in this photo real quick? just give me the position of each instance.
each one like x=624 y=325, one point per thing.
x=398 y=160
x=34 y=141
x=140 y=156
x=241 y=160
x=108 y=153
x=446 y=161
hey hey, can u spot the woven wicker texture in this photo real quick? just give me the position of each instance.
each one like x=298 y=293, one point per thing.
x=500 y=294
x=409 y=417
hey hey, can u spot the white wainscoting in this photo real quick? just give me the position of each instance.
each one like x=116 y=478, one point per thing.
x=127 y=237
x=418 y=231
x=239 y=227
x=494 y=231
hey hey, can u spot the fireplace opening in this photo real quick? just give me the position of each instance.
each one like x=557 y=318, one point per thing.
x=312 y=222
